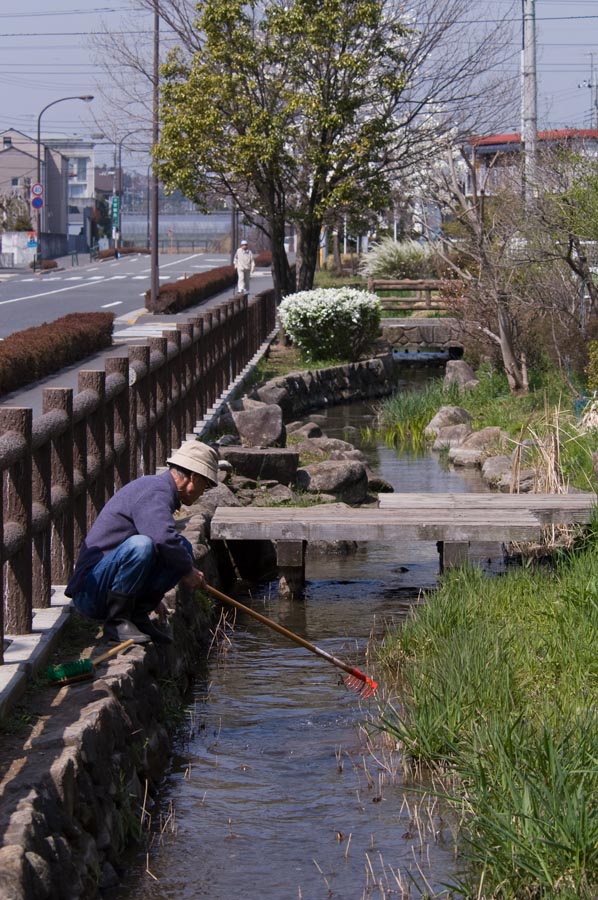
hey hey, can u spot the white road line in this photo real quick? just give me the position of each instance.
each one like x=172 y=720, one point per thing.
x=95 y=278
x=139 y=277
x=47 y=293
x=74 y=278
x=117 y=277
x=108 y=305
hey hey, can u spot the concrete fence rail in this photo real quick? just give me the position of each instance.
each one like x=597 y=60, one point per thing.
x=59 y=469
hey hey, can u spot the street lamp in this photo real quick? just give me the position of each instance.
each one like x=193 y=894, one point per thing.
x=87 y=98
x=118 y=191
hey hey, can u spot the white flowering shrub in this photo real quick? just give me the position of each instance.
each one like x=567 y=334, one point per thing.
x=331 y=323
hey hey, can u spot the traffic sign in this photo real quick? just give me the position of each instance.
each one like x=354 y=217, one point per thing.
x=37 y=202
x=37 y=189
x=115 y=205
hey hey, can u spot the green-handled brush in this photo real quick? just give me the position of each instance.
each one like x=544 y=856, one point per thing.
x=82 y=669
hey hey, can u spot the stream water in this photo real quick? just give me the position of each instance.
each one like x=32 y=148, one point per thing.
x=276 y=790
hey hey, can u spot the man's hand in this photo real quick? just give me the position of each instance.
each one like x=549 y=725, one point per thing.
x=193 y=579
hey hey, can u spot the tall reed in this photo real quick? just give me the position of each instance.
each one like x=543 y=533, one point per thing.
x=498 y=684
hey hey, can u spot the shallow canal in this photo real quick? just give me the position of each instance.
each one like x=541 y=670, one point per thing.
x=276 y=791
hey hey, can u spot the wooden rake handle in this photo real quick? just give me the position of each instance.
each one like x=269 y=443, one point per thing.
x=285 y=631
x=113 y=651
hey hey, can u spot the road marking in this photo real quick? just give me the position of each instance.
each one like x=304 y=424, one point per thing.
x=108 y=305
x=74 y=278
x=117 y=277
x=48 y=293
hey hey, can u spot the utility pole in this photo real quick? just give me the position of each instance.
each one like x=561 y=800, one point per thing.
x=529 y=91
x=155 y=271
x=591 y=84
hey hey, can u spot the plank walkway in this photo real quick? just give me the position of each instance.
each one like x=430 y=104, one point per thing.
x=452 y=520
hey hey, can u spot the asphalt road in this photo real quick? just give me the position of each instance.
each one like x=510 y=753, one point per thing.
x=118 y=285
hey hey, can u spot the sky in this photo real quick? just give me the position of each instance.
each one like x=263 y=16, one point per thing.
x=46 y=53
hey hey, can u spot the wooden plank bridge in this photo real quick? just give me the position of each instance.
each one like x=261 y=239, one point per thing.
x=452 y=520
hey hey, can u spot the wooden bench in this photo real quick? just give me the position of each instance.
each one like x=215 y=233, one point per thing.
x=452 y=520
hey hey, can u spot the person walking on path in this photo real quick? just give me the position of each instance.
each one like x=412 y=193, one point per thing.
x=244 y=263
x=134 y=554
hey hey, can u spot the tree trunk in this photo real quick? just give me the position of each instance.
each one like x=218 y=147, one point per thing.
x=284 y=280
x=505 y=332
x=308 y=247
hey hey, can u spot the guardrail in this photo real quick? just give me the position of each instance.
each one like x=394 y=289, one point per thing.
x=58 y=470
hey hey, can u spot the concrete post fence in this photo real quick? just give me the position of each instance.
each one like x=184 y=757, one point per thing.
x=59 y=469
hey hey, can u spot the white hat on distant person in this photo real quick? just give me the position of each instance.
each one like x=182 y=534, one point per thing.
x=196 y=457
x=243 y=242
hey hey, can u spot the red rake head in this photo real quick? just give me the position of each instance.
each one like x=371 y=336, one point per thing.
x=362 y=683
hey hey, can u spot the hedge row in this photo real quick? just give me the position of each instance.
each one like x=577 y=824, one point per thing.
x=123 y=251
x=263 y=260
x=178 y=295
x=35 y=353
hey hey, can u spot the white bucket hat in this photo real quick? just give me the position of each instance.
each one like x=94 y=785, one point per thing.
x=196 y=457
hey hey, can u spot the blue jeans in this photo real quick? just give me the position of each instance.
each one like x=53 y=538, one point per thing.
x=134 y=569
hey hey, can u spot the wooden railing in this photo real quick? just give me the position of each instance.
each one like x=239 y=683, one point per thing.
x=417 y=294
x=59 y=469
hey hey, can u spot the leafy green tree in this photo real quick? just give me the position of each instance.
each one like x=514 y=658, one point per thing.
x=296 y=109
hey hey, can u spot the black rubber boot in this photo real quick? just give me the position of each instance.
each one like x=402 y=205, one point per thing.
x=144 y=605
x=158 y=635
x=119 y=625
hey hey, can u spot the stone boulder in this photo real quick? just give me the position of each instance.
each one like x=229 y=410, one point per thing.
x=273 y=463
x=466 y=457
x=495 y=469
x=447 y=415
x=346 y=479
x=486 y=438
x=308 y=430
x=451 y=436
x=459 y=372
x=260 y=425
x=348 y=454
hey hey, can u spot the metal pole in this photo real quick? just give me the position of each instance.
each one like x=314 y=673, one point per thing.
x=87 y=98
x=529 y=91
x=155 y=272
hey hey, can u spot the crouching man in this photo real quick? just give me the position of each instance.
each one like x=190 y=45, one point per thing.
x=134 y=554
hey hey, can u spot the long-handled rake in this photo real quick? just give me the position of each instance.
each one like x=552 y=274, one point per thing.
x=355 y=679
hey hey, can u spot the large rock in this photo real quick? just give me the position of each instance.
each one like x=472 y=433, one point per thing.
x=260 y=425
x=274 y=463
x=309 y=430
x=495 y=469
x=447 y=415
x=459 y=372
x=486 y=438
x=346 y=479
x=451 y=436
x=466 y=457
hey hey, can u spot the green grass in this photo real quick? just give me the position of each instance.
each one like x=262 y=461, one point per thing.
x=498 y=685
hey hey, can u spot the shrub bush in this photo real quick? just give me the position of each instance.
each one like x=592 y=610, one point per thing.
x=46 y=264
x=334 y=323
x=178 y=295
x=110 y=253
x=35 y=353
x=404 y=259
x=263 y=260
